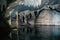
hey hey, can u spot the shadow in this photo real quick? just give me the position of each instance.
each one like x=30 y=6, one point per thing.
x=4 y=27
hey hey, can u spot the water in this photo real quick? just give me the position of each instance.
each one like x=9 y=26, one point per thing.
x=45 y=32
x=39 y=32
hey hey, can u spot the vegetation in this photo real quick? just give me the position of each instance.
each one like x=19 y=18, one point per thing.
x=4 y=26
x=1 y=1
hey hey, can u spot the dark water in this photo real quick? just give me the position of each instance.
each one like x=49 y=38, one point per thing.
x=37 y=33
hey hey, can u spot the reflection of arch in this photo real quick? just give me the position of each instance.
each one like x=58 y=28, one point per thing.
x=51 y=11
x=46 y=17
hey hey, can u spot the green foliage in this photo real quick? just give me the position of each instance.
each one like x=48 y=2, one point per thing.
x=1 y=1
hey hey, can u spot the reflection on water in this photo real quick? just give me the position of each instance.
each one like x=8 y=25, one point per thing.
x=40 y=32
